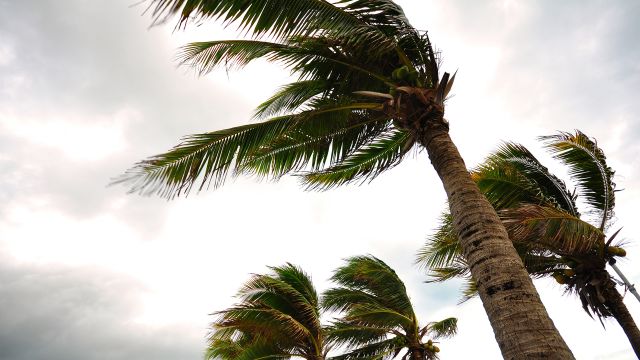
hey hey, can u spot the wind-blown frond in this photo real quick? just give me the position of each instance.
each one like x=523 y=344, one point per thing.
x=277 y=318
x=339 y=136
x=375 y=21
x=377 y=319
x=311 y=57
x=443 y=328
x=210 y=156
x=442 y=247
x=371 y=275
x=588 y=167
x=512 y=175
x=380 y=350
x=382 y=153
x=290 y=97
x=550 y=228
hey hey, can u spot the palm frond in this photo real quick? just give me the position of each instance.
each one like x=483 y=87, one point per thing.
x=588 y=167
x=311 y=57
x=455 y=269
x=550 y=228
x=371 y=21
x=384 y=349
x=277 y=317
x=512 y=175
x=208 y=157
x=344 y=334
x=290 y=97
x=382 y=153
x=337 y=136
x=443 y=328
x=442 y=247
x=373 y=276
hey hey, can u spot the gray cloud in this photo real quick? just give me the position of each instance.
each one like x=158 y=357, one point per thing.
x=57 y=312
x=86 y=61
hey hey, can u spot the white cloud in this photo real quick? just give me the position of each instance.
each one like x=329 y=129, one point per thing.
x=78 y=138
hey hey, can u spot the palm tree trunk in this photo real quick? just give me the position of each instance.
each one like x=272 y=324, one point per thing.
x=619 y=311
x=520 y=322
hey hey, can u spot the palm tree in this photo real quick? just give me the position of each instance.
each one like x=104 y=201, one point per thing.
x=369 y=90
x=277 y=318
x=379 y=321
x=542 y=218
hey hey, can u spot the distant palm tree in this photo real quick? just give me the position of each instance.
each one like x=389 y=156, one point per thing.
x=368 y=91
x=277 y=318
x=543 y=221
x=378 y=320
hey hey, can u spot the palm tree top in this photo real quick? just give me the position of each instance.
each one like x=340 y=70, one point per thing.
x=355 y=110
x=277 y=317
x=377 y=318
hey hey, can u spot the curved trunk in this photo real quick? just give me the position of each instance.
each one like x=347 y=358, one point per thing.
x=520 y=322
x=619 y=311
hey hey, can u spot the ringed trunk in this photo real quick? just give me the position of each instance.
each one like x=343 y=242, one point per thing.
x=520 y=322
x=620 y=312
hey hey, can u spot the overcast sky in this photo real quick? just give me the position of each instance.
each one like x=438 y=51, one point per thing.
x=87 y=89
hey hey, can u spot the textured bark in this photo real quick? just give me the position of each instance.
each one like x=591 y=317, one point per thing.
x=615 y=304
x=520 y=322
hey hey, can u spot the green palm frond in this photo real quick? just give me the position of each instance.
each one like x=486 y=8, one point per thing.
x=380 y=350
x=541 y=263
x=311 y=58
x=361 y=21
x=373 y=276
x=377 y=156
x=271 y=17
x=442 y=329
x=277 y=317
x=208 y=157
x=551 y=228
x=442 y=247
x=455 y=269
x=512 y=175
x=290 y=97
x=588 y=167
x=339 y=136
x=345 y=334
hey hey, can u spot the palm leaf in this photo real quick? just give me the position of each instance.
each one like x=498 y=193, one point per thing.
x=443 y=328
x=373 y=276
x=442 y=247
x=209 y=156
x=362 y=21
x=512 y=175
x=290 y=97
x=588 y=167
x=312 y=149
x=375 y=351
x=307 y=56
x=551 y=228
x=345 y=334
x=382 y=153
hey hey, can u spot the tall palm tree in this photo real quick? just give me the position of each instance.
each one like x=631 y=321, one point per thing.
x=278 y=317
x=542 y=218
x=369 y=89
x=379 y=321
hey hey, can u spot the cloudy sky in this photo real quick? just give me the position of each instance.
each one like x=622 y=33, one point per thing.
x=87 y=88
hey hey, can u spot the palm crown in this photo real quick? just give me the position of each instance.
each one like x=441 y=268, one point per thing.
x=347 y=117
x=378 y=320
x=542 y=219
x=277 y=318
